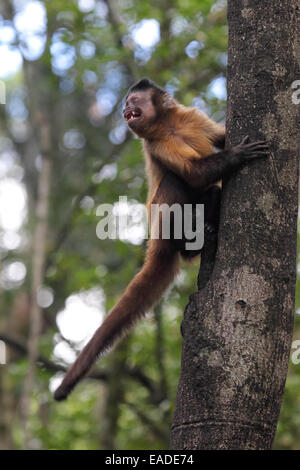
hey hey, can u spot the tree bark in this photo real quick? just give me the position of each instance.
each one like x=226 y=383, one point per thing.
x=237 y=329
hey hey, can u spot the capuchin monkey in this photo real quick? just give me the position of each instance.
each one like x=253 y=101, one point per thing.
x=181 y=168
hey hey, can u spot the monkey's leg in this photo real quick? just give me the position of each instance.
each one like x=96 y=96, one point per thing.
x=211 y=200
x=212 y=203
x=211 y=229
x=174 y=190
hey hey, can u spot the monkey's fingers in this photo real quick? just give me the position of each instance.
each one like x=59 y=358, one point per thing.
x=255 y=150
x=257 y=145
x=255 y=154
x=245 y=139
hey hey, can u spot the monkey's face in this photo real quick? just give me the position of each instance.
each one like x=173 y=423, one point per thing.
x=139 y=112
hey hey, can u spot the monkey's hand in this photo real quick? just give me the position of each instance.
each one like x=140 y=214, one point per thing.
x=246 y=152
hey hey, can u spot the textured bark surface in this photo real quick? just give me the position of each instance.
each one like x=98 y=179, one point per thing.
x=238 y=328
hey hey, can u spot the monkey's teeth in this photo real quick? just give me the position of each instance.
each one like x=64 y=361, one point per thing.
x=133 y=115
x=130 y=115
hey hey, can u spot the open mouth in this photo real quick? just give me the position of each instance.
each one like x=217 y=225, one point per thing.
x=132 y=115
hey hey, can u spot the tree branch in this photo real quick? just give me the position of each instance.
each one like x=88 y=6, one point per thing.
x=134 y=372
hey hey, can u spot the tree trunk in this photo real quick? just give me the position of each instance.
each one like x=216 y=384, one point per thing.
x=238 y=328
x=42 y=131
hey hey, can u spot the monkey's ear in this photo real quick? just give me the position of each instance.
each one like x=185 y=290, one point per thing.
x=167 y=101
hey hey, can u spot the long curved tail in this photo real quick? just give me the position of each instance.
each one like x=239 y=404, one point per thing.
x=144 y=290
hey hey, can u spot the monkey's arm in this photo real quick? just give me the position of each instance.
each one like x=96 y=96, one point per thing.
x=202 y=172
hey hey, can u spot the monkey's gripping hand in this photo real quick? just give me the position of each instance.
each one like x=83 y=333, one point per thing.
x=245 y=152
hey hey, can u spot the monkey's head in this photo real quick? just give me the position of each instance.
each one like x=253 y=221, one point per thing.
x=145 y=104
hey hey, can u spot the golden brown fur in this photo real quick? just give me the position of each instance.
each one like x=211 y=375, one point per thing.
x=184 y=133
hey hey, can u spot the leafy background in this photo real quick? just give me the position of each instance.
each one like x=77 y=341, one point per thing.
x=75 y=60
